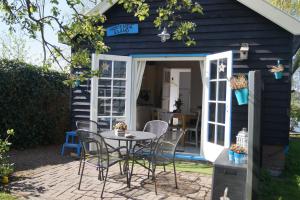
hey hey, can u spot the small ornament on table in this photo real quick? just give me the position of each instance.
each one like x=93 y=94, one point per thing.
x=120 y=128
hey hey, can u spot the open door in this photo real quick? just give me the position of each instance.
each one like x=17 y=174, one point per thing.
x=217 y=114
x=110 y=92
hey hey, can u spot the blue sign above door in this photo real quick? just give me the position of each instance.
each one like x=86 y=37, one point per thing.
x=122 y=29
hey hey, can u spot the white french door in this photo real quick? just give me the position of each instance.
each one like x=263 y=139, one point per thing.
x=217 y=114
x=110 y=92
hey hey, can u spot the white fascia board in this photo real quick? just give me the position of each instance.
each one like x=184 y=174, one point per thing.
x=274 y=14
x=102 y=7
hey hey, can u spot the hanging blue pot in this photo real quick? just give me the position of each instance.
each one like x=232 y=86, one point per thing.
x=242 y=96
x=230 y=155
x=278 y=75
x=77 y=83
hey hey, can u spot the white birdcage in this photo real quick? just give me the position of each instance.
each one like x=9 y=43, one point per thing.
x=242 y=139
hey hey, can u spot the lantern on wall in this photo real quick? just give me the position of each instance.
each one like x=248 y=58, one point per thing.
x=164 y=35
x=242 y=139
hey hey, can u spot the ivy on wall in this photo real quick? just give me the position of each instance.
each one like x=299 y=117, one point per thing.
x=34 y=102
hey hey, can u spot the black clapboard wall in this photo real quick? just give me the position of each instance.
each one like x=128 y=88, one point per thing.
x=224 y=26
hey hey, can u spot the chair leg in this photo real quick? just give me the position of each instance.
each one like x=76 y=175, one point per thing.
x=104 y=182
x=154 y=179
x=149 y=169
x=99 y=174
x=196 y=138
x=62 y=150
x=120 y=165
x=131 y=171
x=83 y=165
x=80 y=163
x=176 y=186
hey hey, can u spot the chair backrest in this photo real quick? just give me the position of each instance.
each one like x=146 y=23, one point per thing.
x=92 y=143
x=198 y=123
x=166 y=145
x=157 y=127
x=88 y=125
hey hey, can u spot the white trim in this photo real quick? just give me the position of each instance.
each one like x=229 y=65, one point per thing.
x=196 y=58
x=102 y=7
x=274 y=14
x=263 y=8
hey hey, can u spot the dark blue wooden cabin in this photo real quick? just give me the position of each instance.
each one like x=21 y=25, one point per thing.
x=225 y=25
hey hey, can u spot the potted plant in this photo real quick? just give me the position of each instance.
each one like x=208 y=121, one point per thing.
x=178 y=104
x=277 y=70
x=239 y=154
x=231 y=152
x=239 y=83
x=5 y=167
x=120 y=128
x=6 y=170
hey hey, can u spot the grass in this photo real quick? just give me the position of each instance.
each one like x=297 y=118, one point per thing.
x=182 y=166
x=6 y=196
x=193 y=167
x=287 y=186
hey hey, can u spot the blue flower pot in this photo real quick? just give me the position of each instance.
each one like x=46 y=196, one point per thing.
x=230 y=155
x=77 y=83
x=242 y=96
x=278 y=75
x=238 y=158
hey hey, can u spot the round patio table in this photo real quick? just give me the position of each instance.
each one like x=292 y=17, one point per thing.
x=136 y=137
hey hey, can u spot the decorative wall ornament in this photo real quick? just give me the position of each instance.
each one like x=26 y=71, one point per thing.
x=164 y=35
x=122 y=29
x=222 y=67
x=244 y=51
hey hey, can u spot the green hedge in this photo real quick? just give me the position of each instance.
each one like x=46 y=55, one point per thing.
x=33 y=102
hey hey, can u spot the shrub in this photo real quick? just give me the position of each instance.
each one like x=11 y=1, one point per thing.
x=6 y=168
x=34 y=102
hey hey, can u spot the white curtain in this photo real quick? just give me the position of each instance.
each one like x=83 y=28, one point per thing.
x=202 y=72
x=137 y=72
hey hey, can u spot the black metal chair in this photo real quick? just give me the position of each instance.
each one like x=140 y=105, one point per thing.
x=162 y=153
x=102 y=158
x=87 y=125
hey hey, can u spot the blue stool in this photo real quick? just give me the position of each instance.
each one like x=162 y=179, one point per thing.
x=71 y=144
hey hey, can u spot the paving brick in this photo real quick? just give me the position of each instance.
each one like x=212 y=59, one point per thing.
x=60 y=180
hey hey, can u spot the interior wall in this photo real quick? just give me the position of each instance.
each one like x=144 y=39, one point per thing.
x=196 y=79
x=151 y=88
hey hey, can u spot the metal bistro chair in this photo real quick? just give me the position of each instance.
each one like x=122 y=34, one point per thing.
x=161 y=154
x=103 y=157
x=87 y=125
x=90 y=125
x=196 y=130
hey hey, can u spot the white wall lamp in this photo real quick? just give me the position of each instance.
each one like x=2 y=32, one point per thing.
x=244 y=51
x=164 y=35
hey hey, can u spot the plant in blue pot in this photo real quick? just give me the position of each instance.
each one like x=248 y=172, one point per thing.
x=239 y=154
x=277 y=70
x=239 y=84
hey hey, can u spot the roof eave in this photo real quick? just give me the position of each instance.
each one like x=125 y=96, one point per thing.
x=274 y=14
x=263 y=8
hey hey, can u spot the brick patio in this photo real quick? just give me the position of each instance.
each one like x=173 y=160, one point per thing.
x=39 y=176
